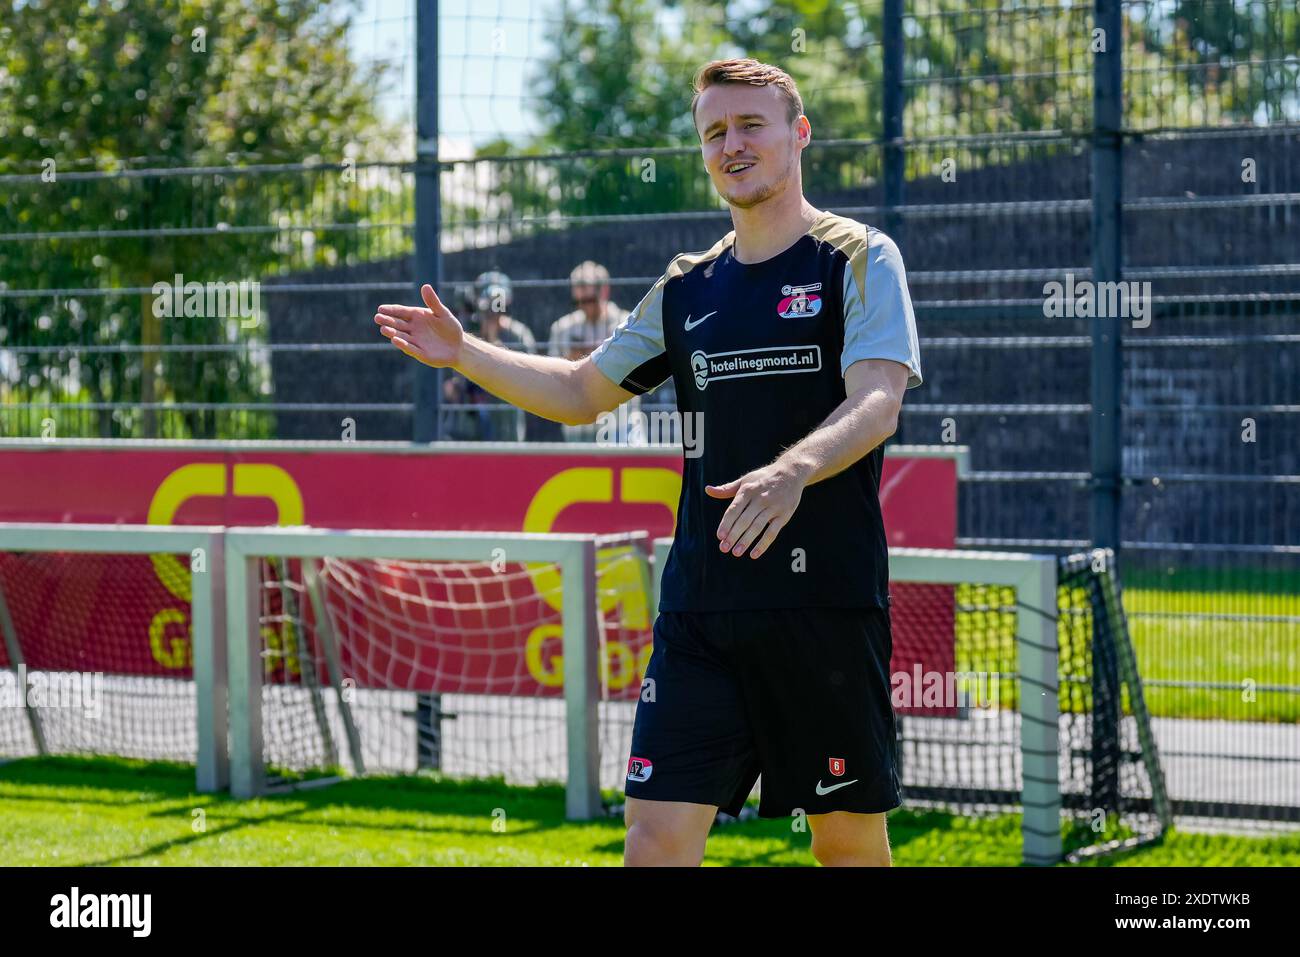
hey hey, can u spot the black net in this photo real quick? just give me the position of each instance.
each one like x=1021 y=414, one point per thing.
x=1112 y=779
x=960 y=736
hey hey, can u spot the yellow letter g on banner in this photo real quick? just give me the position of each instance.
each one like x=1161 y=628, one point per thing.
x=619 y=581
x=198 y=479
x=252 y=480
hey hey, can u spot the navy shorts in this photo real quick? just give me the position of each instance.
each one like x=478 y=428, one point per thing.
x=798 y=696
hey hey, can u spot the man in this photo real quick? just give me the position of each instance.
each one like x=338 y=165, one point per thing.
x=576 y=334
x=491 y=297
x=792 y=340
x=594 y=317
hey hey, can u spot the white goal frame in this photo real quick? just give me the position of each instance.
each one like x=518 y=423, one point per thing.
x=574 y=554
x=207 y=613
x=226 y=645
x=1034 y=579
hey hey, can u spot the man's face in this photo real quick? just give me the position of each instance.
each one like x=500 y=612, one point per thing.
x=591 y=300
x=743 y=124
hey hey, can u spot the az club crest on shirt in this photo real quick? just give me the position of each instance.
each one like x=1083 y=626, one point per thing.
x=798 y=302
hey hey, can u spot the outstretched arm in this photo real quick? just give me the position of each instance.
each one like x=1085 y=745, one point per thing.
x=763 y=500
x=571 y=392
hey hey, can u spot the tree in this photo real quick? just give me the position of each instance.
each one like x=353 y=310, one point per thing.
x=1218 y=63
x=614 y=81
x=619 y=74
x=90 y=87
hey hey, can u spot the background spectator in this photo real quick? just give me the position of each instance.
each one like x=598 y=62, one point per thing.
x=489 y=318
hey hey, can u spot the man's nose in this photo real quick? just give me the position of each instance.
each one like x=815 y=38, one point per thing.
x=734 y=141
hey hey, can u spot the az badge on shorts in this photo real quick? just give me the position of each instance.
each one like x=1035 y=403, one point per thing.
x=639 y=769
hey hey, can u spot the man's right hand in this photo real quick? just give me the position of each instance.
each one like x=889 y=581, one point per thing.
x=432 y=335
x=561 y=390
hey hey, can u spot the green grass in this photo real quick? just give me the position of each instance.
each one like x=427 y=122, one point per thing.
x=1236 y=652
x=1193 y=579
x=108 y=811
x=1248 y=658
x=1242 y=654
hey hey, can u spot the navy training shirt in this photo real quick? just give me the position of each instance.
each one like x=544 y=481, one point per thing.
x=758 y=353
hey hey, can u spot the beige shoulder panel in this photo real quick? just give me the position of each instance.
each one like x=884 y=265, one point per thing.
x=850 y=237
x=685 y=262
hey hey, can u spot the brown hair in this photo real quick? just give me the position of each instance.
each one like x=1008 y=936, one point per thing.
x=748 y=71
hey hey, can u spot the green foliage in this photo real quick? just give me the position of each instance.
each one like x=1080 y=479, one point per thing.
x=197 y=83
x=609 y=81
x=97 y=86
x=620 y=70
x=1214 y=63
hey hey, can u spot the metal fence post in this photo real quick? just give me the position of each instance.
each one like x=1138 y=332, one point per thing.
x=428 y=206
x=427 y=414
x=1107 y=367
x=892 y=118
x=891 y=133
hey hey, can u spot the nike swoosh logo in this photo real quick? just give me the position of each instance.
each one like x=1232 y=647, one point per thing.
x=691 y=325
x=834 y=787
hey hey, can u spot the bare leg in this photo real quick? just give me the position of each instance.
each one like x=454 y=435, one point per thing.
x=666 y=833
x=848 y=839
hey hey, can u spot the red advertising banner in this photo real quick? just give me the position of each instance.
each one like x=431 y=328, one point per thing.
x=424 y=628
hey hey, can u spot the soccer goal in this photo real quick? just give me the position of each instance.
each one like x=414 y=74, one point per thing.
x=1016 y=689
x=114 y=643
x=470 y=653
x=350 y=652
x=281 y=657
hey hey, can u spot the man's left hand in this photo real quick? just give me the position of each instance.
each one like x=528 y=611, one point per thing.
x=762 y=502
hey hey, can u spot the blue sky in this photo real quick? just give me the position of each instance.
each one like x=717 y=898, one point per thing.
x=487 y=48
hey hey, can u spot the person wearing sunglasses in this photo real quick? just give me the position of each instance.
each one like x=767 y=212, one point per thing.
x=576 y=335
x=594 y=315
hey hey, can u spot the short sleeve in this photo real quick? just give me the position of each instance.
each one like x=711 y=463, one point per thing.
x=878 y=318
x=634 y=356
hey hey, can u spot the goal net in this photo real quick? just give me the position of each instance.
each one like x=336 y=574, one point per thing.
x=109 y=644
x=1013 y=679
x=396 y=665
x=1021 y=680
x=520 y=657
